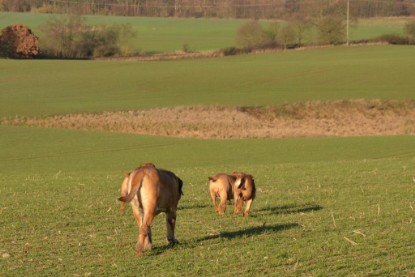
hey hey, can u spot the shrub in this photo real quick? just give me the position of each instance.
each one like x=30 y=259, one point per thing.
x=230 y=51
x=287 y=36
x=331 y=30
x=250 y=35
x=18 y=41
x=410 y=28
x=301 y=26
x=270 y=34
x=125 y=34
x=60 y=34
x=394 y=39
x=97 y=44
x=7 y=43
x=68 y=37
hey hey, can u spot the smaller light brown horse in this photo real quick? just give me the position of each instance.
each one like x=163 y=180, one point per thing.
x=151 y=191
x=238 y=186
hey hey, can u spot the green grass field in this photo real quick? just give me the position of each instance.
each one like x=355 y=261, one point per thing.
x=374 y=27
x=324 y=206
x=171 y=34
x=44 y=87
x=339 y=206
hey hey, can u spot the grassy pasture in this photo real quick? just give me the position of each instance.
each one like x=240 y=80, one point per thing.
x=325 y=206
x=45 y=87
x=338 y=206
x=171 y=34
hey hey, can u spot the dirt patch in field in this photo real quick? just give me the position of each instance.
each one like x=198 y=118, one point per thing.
x=337 y=118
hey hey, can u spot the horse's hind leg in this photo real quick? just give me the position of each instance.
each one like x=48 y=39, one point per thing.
x=170 y=224
x=238 y=204
x=138 y=216
x=144 y=234
x=149 y=211
x=222 y=205
x=213 y=197
x=248 y=207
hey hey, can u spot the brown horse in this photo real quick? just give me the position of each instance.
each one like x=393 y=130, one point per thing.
x=238 y=186
x=221 y=186
x=244 y=190
x=151 y=191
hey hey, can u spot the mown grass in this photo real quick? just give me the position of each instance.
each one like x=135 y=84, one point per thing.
x=45 y=87
x=171 y=34
x=324 y=206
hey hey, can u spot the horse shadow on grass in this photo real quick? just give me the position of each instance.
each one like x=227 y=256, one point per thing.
x=289 y=209
x=252 y=231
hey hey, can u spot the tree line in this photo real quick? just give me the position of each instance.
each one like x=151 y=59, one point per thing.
x=254 y=9
x=67 y=37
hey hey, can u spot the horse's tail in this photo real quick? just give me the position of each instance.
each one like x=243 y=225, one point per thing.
x=136 y=180
x=180 y=182
x=124 y=190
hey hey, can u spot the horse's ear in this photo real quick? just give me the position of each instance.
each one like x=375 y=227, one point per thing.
x=212 y=179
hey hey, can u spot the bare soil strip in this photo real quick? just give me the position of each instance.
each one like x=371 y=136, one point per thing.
x=310 y=119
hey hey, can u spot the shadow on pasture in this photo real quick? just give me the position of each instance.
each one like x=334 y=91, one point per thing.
x=290 y=209
x=250 y=231
x=161 y=249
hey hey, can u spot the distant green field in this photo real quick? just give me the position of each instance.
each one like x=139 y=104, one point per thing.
x=153 y=34
x=44 y=87
x=335 y=206
x=371 y=28
x=171 y=34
